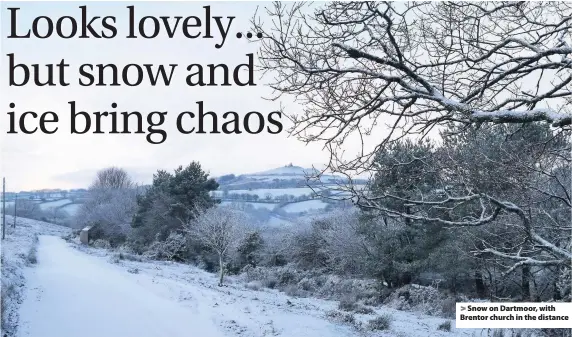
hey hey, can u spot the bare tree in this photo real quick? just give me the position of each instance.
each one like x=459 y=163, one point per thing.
x=111 y=204
x=217 y=229
x=112 y=178
x=378 y=73
x=416 y=66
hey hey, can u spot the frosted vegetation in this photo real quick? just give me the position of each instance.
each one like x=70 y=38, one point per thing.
x=461 y=189
x=411 y=242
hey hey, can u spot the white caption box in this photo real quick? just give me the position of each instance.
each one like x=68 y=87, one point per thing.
x=514 y=315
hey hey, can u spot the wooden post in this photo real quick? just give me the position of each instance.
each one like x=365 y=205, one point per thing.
x=15 y=210
x=3 y=208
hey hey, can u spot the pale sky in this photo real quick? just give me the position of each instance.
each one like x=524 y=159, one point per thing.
x=62 y=160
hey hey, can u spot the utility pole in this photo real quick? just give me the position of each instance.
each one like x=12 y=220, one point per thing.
x=3 y=208
x=15 y=210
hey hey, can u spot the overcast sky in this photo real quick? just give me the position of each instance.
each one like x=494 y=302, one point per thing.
x=62 y=160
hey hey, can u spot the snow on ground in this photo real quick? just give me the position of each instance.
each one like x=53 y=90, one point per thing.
x=288 y=173
x=256 y=205
x=71 y=294
x=156 y=299
x=301 y=177
x=286 y=170
x=54 y=204
x=18 y=251
x=74 y=290
x=69 y=289
x=305 y=206
x=71 y=209
x=274 y=192
x=275 y=221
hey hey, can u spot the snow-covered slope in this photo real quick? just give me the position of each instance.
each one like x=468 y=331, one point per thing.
x=294 y=172
x=74 y=291
x=286 y=170
x=54 y=204
x=287 y=176
x=69 y=289
x=18 y=252
x=305 y=206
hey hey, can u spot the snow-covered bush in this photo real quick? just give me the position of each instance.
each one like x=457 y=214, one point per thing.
x=348 y=303
x=342 y=317
x=31 y=257
x=101 y=243
x=424 y=299
x=109 y=209
x=129 y=256
x=254 y=285
x=445 y=326
x=294 y=291
x=382 y=322
x=173 y=248
x=313 y=283
x=448 y=306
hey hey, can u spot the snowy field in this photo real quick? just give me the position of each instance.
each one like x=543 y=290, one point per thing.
x=255 y=205
x=305 y=206
x=273 y=192
x=293 y=208
x=54 y=204
x=262 y=193
x=156 y=299
x=71 y=209
x=278 y=222
x=69 y=285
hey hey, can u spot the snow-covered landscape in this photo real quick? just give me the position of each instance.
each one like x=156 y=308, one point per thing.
x=332 y=169
x=286 y=274
x=69 y=285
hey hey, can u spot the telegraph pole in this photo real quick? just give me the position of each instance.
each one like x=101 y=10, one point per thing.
x=3 y=208
x=15 y=210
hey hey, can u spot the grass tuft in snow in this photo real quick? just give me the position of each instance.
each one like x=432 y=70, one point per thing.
x=445 y=326
x=341 y=317
x=382 y=322
x=32 y=256
x=348 y=303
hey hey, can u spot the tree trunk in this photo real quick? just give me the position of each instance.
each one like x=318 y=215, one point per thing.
x=480 y=285
x=221 y=270
x=526 y=283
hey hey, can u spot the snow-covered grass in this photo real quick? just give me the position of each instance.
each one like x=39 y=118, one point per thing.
x=262 y=193
x=248 y=309
x=127 y=295
x=273 y=192
x=19 y=251
x=255 y=205
x=278 y=222
x=71 y=209
x=305 y=206
x=54 y=204
x=286 y=170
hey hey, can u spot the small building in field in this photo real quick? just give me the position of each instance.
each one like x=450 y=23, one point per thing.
x=84 y=235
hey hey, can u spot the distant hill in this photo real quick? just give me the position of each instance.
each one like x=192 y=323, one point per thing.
x=288 y=176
